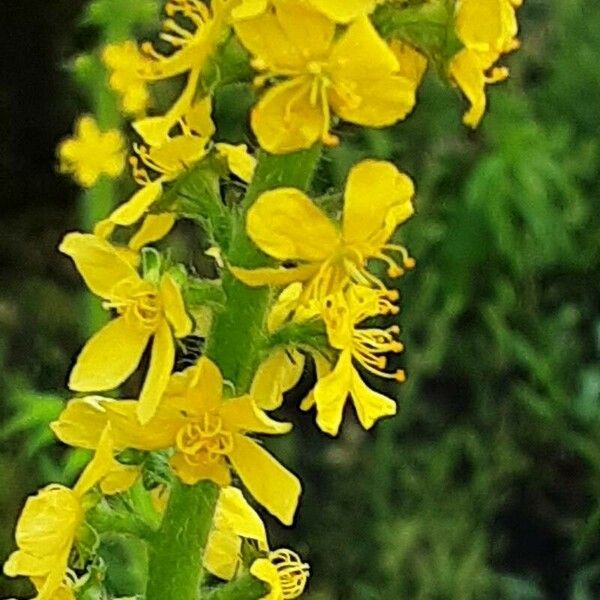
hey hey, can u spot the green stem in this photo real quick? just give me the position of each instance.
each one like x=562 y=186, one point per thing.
x=175 y=555
x=241 y=325
x=175 y=568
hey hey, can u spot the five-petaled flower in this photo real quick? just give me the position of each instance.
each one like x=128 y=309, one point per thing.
x=144 y=310
x=208 y=433
x=366 y=346
x=356 y=76
x=48 y=526
x=288 y=226
x=92 y=153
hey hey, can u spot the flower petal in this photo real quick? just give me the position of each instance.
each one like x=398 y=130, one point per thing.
x=271 y=484
x=285 y=119
x=241 y=414
x=288 y=225
x=367 y=88
x=370 y=405
x=102 y=462
x=81 y=423
x=222 y=554
x=276 y=277
x=110 y=356
x=98 y=262
x=239 y=161
x=133 y=210
x=330 y=395
x=344 y=11
x=234 y=514
x=306 y=29
x=265 y=39
x=276 y=375
x=174 y=306
x=162 y=359
x=264 y=570
x=373 y=189
x=154 y=228
x=467 y=72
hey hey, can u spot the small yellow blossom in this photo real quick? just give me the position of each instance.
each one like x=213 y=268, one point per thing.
x=284 y=572
x=48 y=526
x=156 y=165
x=92 y=153
x=488 y=29
x=126 y=64
x=285 y=224
x=367 y=347
x=207 y=432
x=356 y=76
x=144 y=310
x=192 y=49
x=234 y=519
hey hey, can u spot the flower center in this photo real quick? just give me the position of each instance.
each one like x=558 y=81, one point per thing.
x=204 y=440
x=293 y=573
x=139 y=304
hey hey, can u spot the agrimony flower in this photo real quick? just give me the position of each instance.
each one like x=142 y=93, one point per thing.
x=285 y=224
x=234 y=520
x=208 y=433
x=367 y=347
x=144 y=311
x=488 y=29
x=191 y=49
x=91 y=153
x=48 y=526
x=355 y=76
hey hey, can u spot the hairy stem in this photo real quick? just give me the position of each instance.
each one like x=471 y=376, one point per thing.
x=176 y=553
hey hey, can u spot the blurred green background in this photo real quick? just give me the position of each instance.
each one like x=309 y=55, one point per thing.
x=487 y=484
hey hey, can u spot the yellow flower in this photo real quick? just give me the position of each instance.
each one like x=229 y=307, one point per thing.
x=367 y=347
x=356 y=76
x=341 y=11
x=48 y=526
x=144 y=310
x=284 y=572
x=285 y=224
x=92 y=153
x=234 y=519
x=191 y=51
x=207 y=432
x=488 y=29
x=126 y=64
x=164 y=163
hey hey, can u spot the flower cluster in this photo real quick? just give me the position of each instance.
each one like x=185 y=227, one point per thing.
x=285 y=263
